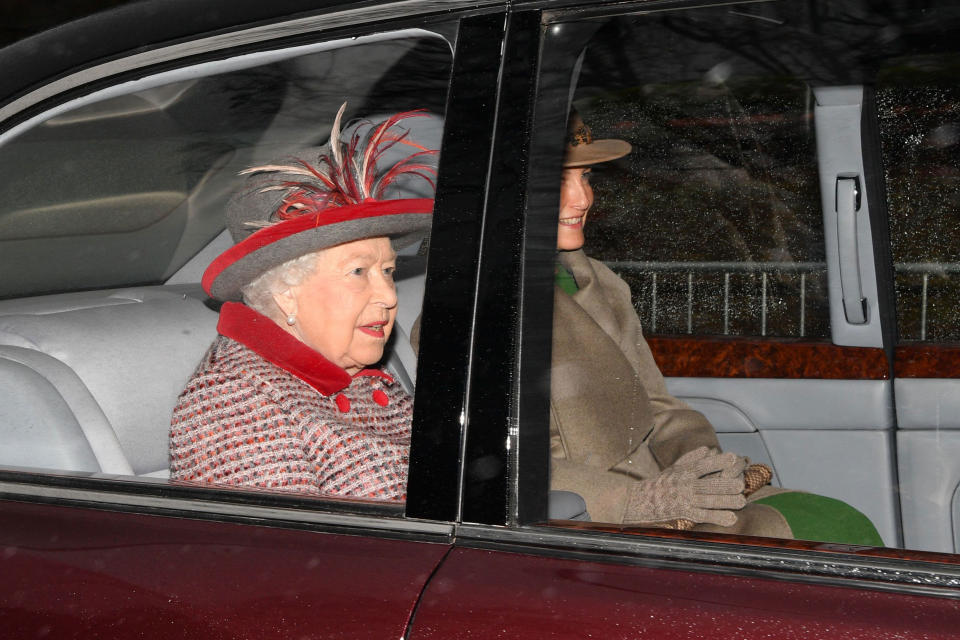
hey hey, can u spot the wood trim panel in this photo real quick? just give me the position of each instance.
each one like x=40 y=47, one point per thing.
x=718 y=357
x=927 y=361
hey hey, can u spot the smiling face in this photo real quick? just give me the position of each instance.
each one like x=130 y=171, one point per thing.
x=576 y=198
x=346 y=308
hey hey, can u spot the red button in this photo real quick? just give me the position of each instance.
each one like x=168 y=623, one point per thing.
x=381 y=398
x=343 y=403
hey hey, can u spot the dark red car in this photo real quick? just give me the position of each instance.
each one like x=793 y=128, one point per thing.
x=788 y=220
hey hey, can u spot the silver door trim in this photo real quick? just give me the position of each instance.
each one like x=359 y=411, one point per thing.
x=820 y=566
x=129 y=501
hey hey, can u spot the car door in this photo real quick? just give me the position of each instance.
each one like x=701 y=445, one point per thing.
x=917 y=117
x=512 y=571
x=139 y=153
x=766 y=308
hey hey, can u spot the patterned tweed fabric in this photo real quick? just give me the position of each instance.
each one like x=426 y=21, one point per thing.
x=245 y=421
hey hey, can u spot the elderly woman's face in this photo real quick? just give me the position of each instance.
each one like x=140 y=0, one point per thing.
x=345 y=310
x=576 y=198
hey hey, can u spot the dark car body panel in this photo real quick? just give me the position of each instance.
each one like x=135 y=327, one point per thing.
x=560 y=598
x=84 y=573
x=100 y=557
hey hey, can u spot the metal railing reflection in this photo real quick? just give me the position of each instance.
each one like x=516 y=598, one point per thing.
x=656 y=272
x=764 y=270
x=907 y=271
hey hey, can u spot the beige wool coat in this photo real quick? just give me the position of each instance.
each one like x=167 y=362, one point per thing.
x=612 y=420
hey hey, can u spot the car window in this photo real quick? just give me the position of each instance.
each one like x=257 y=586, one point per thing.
x=20 y=20
x=784 y=208
x=113 y=207
x=714 y=218
x=917 y=111
x=917 y=100
x=125 y=189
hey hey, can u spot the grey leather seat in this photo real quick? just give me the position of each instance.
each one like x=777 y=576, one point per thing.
x=90 y=379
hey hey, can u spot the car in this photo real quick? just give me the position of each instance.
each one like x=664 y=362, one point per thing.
x=787 y=220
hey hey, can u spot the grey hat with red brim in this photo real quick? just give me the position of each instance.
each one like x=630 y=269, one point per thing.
x=294 y=207
x=403 y=221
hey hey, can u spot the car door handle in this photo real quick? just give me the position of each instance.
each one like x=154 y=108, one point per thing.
x=848 y=206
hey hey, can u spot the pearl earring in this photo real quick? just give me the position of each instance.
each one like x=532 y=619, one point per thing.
x=291 y=319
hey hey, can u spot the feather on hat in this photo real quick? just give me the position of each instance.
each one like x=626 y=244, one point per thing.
x=294 y=207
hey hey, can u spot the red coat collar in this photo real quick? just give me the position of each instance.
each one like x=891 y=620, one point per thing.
x=261 y=335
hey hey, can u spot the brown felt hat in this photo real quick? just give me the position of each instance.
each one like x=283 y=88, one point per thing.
x=313 y=199
x=584 y=150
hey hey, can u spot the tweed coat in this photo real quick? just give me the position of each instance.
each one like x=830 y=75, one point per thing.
x=264 y=410
x=612 y=420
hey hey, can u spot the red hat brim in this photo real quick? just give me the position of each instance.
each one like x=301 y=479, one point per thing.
x=403 y=221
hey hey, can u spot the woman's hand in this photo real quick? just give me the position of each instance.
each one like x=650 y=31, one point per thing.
x=703 y=485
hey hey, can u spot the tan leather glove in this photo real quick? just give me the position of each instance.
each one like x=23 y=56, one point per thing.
x=703 y=485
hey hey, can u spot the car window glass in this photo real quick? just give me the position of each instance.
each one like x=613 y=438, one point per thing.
x=714 y=219
x=105 y=202
x=919 y=114
x=918 y=110
x=709 y=276
x=127 y=189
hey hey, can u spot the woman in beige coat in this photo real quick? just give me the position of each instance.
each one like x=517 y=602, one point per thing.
x=635 y=453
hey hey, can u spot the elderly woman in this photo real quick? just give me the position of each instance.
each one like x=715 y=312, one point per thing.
x=618 y=438
x=288 y=396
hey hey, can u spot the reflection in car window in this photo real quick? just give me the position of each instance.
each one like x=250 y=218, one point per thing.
x=720 y=222
x=140 y=180
x=919 y=114
x=117 y=207
x=714 y=220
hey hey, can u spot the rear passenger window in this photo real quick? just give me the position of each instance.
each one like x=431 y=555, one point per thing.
x=769 y=268
x=714 y=218
x=918 y=109
x=918 y=106
x=128 y=186
x=112 y=207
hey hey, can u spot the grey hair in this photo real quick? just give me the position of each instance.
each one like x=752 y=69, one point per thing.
x=260 y=294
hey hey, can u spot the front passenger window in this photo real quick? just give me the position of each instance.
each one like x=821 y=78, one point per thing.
x=113 y=207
